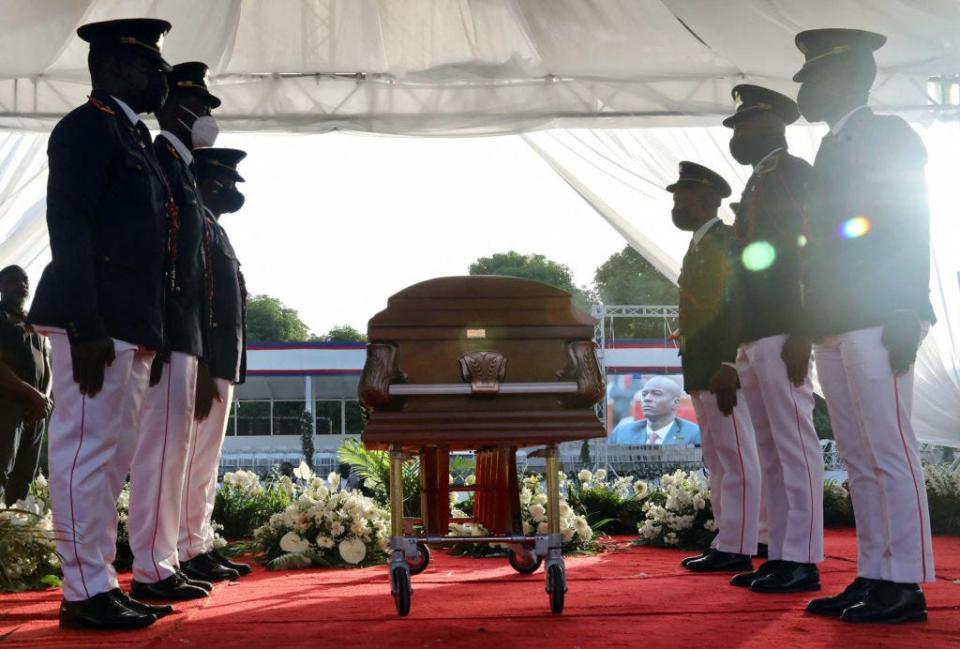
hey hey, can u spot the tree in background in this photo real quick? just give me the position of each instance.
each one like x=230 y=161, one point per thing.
x=344 y=334
x=535 y=267
x=627 y=278
x=270 y=320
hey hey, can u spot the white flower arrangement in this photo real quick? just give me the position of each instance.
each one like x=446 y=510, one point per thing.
x=325 y=527
x=575 y=531
x=678 y=513
x=27 y=542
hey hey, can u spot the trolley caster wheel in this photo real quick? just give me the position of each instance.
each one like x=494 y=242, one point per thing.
x=400 y=589
x=525 y=562
x=556 y=587
x=419 y=564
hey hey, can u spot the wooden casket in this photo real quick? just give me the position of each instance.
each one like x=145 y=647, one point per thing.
x=478 y=361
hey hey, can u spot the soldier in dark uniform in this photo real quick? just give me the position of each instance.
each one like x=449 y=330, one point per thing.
x=99 y=301
x=768 y=229
x=160 y=460
x=866 y=307
x=708 y=347
x=24 y=388
x=225 y=358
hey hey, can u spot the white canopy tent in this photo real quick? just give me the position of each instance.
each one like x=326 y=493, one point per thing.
x=597 y=73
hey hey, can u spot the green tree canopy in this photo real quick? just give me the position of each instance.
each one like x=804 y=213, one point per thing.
x=344 y=334
x=270 y=320
x=628 y=278
x=535 y=267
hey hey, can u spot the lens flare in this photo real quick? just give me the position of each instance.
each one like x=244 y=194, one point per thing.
x=802 y=241
x=758 y=256
x=854 y=228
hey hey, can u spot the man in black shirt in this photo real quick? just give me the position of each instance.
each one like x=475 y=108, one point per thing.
x=24 y=388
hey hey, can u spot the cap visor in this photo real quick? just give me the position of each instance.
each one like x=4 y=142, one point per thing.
x=672 y=188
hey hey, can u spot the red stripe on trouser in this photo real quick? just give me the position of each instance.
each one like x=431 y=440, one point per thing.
x=185 y=517
x=806 y=461
x=163 y=457
x=73 y=468
x=743 y=483
x=916 y=488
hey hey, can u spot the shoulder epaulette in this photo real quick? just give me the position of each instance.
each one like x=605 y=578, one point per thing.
x=172 y=150
x=102 y=107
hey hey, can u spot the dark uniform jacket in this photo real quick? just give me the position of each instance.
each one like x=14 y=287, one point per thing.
x=708 y=327
x=873 y=168
x=23 y=350
x=770 y=219
x=107 y=224
x=226 y=350
x=184 y=292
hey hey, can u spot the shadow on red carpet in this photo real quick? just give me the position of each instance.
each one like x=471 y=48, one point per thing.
x=628 y=597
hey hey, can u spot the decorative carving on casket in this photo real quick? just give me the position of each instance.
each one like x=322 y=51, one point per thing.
x=380 y=370
x=583 y=368
x=484 y=371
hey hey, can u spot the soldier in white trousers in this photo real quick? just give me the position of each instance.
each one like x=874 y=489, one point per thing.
x=222 y=366
x=100 y=302
x=866 y=308
x=768 y=228
x=708 y=348
x=159 y=465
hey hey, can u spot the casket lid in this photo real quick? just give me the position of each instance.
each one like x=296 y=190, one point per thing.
x=481 y=300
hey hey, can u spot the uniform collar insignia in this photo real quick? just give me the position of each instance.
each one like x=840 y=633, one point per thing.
x=102 y=106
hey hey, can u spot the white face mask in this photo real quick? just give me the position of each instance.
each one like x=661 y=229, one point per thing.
x=204 y=130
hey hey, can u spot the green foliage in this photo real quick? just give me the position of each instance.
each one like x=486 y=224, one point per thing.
x=837 y=508
x=628 y=278
x=306 y=437
x=374 y=468
x=28 y=558
x=243 y=504
x=270 y=320
x=535 y=267
x=344 y=334
x=821 y=418
x=943 y=494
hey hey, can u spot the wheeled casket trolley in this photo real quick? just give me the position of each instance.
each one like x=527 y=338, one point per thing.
x=484 y=364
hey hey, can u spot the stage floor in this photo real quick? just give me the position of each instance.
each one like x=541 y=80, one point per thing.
x=628 y=597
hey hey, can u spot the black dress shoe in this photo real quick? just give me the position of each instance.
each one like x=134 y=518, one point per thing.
x=684 y=562
x=140 y=607
x=719 y=561
x=102 y=611
x=205 y=567
x=199 y=583
x=746 y=579
x=852 y=594
x=241 y=568
x=762 y=550
x=171 y=589
x=889 y=603
x=789 y=577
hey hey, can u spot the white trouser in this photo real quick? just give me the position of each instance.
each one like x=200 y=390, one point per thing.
x=90 y=444
x=790 y=456
x=730 y=454
x=158 y=469
x=200 y=488
x=870 y=414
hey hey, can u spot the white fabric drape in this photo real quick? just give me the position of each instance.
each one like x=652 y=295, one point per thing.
x=622 y=173
x=443 y=67
x=23 y=185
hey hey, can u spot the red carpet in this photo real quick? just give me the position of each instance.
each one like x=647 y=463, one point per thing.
x=633 y=597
